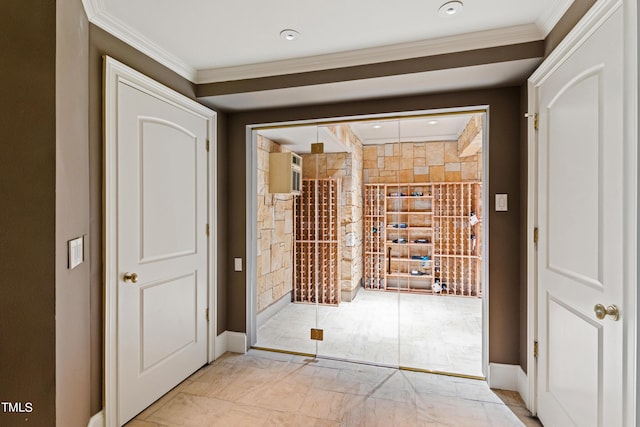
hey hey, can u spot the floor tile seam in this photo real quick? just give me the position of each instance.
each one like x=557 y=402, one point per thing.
x=160 y=403
x=272 y=411
x=458 y=397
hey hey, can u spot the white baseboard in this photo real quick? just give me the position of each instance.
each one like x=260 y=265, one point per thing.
x=523 y=385
x=221 y=345
x=97 y=420
x=503 y=377
x=235 y=342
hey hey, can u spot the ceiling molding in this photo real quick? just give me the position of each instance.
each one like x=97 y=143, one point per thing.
x=464 y=42
x=589 y=23
x=550 y=18
x=96 y=13
x=91 y=7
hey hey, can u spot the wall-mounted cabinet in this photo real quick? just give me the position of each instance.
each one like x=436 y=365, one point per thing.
x=285 y=173
x=423 y=237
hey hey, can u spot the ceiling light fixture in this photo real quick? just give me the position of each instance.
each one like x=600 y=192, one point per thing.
x=377 y=126
x=450 y=8
x=290 y=35
x=433 y=122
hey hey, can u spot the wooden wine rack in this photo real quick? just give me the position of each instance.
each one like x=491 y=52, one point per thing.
x=317 y=242
x=420 y=237
x=374 y=232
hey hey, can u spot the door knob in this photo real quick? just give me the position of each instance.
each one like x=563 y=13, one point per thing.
x=130 y=277
x=602 y=312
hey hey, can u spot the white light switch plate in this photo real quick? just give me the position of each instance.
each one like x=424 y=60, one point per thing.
x=76 y=252
x=501 y=203
x=237 y=264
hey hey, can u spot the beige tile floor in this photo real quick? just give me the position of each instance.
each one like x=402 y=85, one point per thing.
x=437 y=333
x=273 y=389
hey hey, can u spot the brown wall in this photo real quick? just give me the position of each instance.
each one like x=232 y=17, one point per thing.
x=73 y=361
x=570 y=18
x=27 y=206
x=504 y=177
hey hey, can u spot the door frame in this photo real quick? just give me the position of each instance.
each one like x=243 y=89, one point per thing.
x=576 y=37
x=252 y=208
x=115 y=72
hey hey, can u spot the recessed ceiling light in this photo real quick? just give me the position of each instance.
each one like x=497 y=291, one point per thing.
x=433 y=122
x=377 y=126
x=290 y=35
x=450 y=8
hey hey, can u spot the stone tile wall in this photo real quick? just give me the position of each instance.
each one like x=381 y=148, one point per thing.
x=419 y=162
x=275 y=233
x=348 y=167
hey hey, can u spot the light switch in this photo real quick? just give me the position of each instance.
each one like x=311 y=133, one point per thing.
x=501 y=203
x=76 y=252
x=237 y=264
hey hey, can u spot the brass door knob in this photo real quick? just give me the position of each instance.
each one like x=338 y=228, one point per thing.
x=602 y=311
x=130 y=277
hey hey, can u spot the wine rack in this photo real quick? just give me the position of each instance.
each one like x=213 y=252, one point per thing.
x=317 y=238
x=424 y=237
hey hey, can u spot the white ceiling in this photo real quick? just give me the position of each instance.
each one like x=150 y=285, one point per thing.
x=419 y=129
x=217 y=40
x=299 y=138
x=376 y=131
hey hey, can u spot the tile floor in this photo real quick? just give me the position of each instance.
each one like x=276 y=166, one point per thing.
x=273 y=389
x=437 y=333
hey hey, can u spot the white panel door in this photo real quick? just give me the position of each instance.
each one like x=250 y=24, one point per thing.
x=580 y=258
x=161 y=237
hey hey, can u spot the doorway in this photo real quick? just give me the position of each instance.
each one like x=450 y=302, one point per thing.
x=400 y=199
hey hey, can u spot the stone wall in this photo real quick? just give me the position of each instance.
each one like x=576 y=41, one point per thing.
x=348 y=167
x=419 y=162
x=275 y=233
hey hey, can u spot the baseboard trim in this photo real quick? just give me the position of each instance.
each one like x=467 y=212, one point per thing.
x=236 y=342
x=504 y=377
x=97 y=420
x=221 y=345
x=523 y=385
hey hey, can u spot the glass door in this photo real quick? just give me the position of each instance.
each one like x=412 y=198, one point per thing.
x=440 y=315
x=363 y=326
x=288 y=241
x=377 y=257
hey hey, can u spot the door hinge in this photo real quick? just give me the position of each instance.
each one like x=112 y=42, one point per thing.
x=535 y=235
x=535 y=119
x=207 y=145
x=535 y=349
x=206 y=314
x=208 y=230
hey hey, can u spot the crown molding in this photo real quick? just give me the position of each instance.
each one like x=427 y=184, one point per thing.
x=551 y=16
x=589 y=23
x=97 y=14
x=470 y=41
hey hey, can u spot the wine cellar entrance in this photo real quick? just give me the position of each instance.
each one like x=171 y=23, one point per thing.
x=370 y=241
